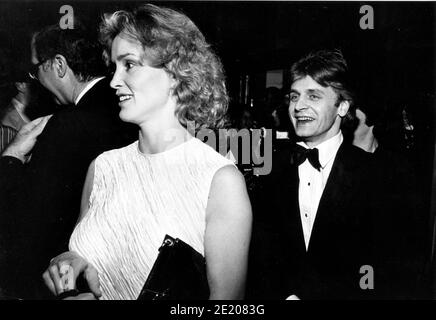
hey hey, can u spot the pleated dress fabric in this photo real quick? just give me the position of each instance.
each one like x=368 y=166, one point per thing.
x=135 y=201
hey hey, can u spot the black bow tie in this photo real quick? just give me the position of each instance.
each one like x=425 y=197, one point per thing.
x=300 y=154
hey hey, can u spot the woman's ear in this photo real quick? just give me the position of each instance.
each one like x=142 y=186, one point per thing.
x=343 y=108
x=173 y=84
x=61 y=65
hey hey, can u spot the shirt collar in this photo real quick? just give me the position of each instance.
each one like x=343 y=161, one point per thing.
x=327 y=149
x=86 y=89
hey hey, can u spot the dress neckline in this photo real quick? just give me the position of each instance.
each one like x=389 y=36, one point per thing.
x=168 y=151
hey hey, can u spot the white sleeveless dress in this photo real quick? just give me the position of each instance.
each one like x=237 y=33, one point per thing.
x=135 y=201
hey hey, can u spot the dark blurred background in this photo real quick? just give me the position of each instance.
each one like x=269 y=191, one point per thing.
x=258 y=41
x=393 y=64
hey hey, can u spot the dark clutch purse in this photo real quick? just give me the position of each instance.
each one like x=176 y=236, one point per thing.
x=179 y=273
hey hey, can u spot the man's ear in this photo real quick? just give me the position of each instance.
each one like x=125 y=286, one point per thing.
x=61 y=65
x=343 y=108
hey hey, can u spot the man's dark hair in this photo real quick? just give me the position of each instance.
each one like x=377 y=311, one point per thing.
x=329 y=69
x=82 y=51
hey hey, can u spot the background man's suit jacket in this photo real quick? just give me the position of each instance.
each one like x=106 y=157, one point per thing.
x=40 y=201
x=342 y=236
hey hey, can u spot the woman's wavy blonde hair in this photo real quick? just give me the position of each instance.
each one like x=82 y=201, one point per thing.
x=173 y=42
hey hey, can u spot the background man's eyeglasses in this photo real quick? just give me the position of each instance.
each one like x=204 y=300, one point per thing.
x=33 y=72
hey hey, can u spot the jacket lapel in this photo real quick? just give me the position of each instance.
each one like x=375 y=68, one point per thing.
x=294 y=215
x=290 y=212
x=335 y=197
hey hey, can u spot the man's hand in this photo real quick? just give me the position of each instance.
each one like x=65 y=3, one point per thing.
x=25 y=139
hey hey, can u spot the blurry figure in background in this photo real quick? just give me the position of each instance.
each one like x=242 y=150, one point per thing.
x=381 y=121
x=404 y=217
x=369 y=129
x=272 y=112
x=14 y=117
x=15 y=114
x=21 y=98
x=31 y=101
x=363 y=136
x=277 y=117
x=246 y=120
x=14 y=97
x=40 y=199
x=7 y=134
x=242 y=116
x=272 y=103
x=280 y=111
x=7 y=70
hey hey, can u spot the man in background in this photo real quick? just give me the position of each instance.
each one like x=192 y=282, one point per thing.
x=321 y=225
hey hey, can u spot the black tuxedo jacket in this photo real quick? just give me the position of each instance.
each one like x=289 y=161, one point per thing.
x=342 y=236
x=40 y=201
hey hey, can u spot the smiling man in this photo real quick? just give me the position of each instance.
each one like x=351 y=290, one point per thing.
x=319 y=101
x=321 y=234
x=316 y=111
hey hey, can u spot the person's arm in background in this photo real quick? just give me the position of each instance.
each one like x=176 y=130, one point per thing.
x=25 y=139
x=14 y=115
x=13 y=158
x=13 y=195
x=227 y=236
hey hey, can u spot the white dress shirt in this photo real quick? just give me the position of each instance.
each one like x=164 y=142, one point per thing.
x=312 y=182
x=86 y=89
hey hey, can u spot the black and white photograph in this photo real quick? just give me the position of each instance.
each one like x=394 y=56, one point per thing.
x=185 y=151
